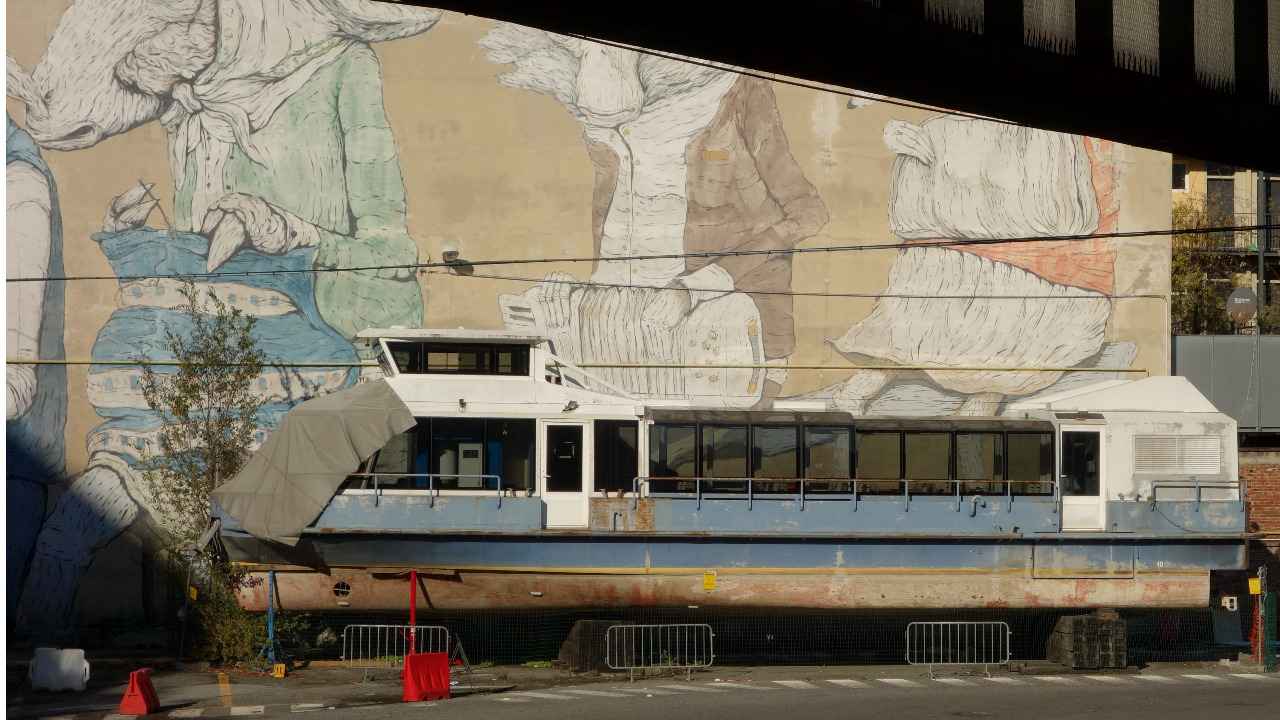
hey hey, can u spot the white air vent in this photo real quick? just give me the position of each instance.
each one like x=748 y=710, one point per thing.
x=1177 y=454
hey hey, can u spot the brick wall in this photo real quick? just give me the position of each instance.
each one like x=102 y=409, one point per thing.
x=1261 y=474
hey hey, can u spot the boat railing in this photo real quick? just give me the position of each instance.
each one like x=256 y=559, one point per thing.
x=1199 y=486
x=852 y=490
x=432 y=490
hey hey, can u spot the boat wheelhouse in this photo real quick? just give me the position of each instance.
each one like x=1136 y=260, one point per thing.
x=521 y=481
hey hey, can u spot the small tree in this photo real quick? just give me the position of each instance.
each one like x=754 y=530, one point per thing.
x=208 y=410
x=1199 y=298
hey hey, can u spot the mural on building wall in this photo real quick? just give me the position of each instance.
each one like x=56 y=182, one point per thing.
x=36 y=406
x=687 y=159
x=963 y=179
x=282 y=158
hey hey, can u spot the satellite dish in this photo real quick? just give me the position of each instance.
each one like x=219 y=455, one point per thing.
x=1242 y=305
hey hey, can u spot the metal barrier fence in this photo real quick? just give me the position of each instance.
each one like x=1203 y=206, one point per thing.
x=959 y=643
x=384 y=646
x=646 y=647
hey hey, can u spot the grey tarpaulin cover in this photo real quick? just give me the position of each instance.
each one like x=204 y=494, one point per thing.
x=287 y=483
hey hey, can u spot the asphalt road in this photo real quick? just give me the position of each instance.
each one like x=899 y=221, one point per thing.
x=1211 y=696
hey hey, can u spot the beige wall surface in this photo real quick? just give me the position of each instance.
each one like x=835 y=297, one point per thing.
x=276 y=134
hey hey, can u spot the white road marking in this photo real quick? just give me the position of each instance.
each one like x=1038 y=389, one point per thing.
x=1252 y=676
x=899 y=682
x=739 y=686
x=512 y=699
x=952 y=681
x=1108 y=679
x=1056 y=679
x=797 y=684
x=647 y=691
x=1005 y=680
x=1208 y=678
x=848 y=683
x=187 y=712
x=690 y=688
x=299 y=707
x=1164 y=679
x=544 y=695
x=240 y=710
x=596 y=693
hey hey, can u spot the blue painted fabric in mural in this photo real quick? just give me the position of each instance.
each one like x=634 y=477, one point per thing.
x=289 y=329
x=36 y=452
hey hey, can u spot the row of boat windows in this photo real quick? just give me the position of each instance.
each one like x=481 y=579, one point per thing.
x=421 y=358
x=460 y=450
x=879 y=459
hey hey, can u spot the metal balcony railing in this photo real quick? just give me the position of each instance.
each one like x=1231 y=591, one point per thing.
x=851 y=490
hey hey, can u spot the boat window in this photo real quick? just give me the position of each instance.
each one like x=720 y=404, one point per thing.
x=827 y=454
x=396 y=460
x=928 y=456
x=673 y=453
x=457 y=453
x=1081 y=463
x=509 y=453
x=879 y=458
x=1030 y=463
x=775 y=453
x=724 y=455
x=406 y=356
x=980 y=462
x=457 y=359
x=615 y=456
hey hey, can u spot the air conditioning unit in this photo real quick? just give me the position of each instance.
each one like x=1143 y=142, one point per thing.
x=470 y=462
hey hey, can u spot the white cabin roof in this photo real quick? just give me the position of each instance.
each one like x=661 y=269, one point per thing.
x=1172 y=394
x=458 y=335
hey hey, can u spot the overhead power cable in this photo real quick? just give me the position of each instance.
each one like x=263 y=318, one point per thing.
x=795 y=293
x=899 y=245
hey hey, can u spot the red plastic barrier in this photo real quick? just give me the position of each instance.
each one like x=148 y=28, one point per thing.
x=140 y=698
x=426 y=677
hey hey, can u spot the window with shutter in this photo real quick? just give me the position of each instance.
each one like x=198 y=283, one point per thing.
x=1177 y=454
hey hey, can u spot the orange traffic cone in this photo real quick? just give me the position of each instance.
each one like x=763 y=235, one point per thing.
x=140 y=698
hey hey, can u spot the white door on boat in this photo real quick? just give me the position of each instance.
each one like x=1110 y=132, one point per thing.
x=1082 y=477
x=566 y=479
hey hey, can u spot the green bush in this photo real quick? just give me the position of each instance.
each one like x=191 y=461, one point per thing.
x=227 y=633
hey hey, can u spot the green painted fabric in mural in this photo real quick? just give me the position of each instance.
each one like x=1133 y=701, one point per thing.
x=330 y=159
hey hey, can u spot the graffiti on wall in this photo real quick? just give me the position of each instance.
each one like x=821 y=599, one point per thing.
x=688 y=159
x=282 y=157
x=36 y=405
x=965 y=317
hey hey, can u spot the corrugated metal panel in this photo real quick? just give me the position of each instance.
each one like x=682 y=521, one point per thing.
x=1236 y=372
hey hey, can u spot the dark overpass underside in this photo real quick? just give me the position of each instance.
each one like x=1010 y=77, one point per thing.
x=1195 y=78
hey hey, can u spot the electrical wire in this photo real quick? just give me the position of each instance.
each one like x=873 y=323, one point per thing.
x=967 y=242
x=796 y=293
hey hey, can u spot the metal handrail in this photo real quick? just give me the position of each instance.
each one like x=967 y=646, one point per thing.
x=432 y=491
x=642 y=485
x=1198 y=486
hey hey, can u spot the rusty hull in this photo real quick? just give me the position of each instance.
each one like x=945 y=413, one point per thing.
x=845 y=590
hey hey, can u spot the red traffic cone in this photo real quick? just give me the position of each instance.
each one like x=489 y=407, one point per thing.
x=426 y=677
x=140 y=698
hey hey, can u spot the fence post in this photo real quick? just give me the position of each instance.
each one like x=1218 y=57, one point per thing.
x=413 y=612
